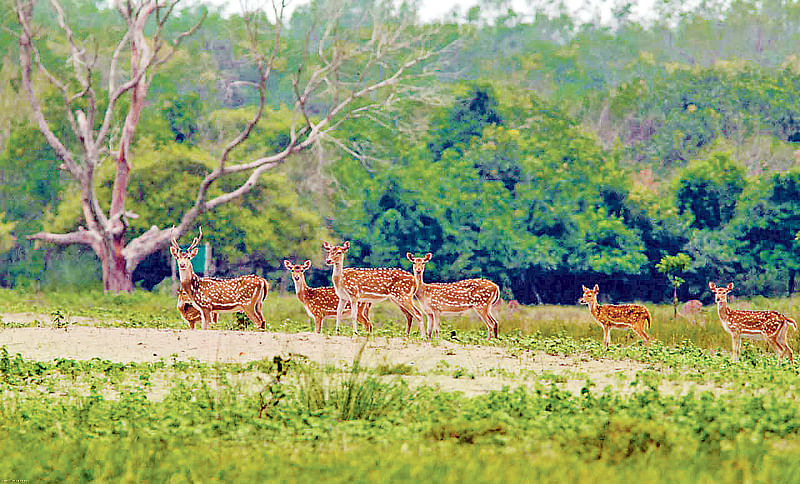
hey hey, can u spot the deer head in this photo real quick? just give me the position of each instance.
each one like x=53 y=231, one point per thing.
x=720 y=293
x=418 y=263
x=335 y=253
x=184 y=258
x=297 y=270
x=589 y=295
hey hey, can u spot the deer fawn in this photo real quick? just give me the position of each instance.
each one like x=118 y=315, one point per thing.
x=189 y=313
x=209 y=295
x=769 y=325
x=455 y=297
x=633 y=316
x=370 y=285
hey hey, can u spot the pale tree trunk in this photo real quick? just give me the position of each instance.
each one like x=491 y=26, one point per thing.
x=104 y=234
x=389 y=55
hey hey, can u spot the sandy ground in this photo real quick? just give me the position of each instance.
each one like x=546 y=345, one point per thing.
x=471 y=369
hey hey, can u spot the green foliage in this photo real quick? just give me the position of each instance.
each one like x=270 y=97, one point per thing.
x=709 y=190
x=767 y=223
x=513 y=205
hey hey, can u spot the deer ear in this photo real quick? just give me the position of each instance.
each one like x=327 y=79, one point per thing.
x=287 y=264
x=306 y=265
x=346 y=245
x=174 y=252
x=712 y=286
x=585 y=289
x=428 y=256
x=193 y=253
x=326 y=245
x=596 y=288
x=730 y=286
x=410 y=256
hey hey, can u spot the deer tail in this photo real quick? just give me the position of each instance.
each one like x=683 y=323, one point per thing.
x=496 y=297
x=792 y=322
x=264 y=289
x=649 y=318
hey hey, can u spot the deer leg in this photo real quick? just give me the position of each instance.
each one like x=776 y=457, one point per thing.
x=436 y=324
x=408 y=305
x=363 y=316
x=339 y=312
x=493 y=319
x=354 y=314
x=483 y=314
x=318 y=317
x=642 y=334
x=606 y=335
x=205 y=314
x=736 y=341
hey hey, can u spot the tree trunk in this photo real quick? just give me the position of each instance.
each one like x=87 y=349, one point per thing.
x=674 y=302
x=792 y=274
x=116 y=277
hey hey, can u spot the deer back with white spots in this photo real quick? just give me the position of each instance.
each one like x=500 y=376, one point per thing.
x=481 y=295
x=356 y=285
x=209 y=295
x=769 y=325
x=617 y=316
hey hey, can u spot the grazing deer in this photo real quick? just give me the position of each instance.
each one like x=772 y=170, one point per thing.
x=769 y=325
x=617 y=316
x=690 y=310
x=209 y=295
x=455 y=297
x=189 y=313
x=356 y=285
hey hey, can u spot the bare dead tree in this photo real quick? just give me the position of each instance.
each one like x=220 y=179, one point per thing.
x=340 y=78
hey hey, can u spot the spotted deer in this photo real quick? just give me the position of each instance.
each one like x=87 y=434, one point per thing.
x=769 y=325
x=617 y=316
x=189 y=313
x=356 y=285
x=209 y=295
x=454 y=297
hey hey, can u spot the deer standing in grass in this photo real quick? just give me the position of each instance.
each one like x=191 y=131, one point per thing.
x=769 y=325
x=454 y=297
x=321 y=302
x=209 y=295
x=617 y=316
x=357 y=285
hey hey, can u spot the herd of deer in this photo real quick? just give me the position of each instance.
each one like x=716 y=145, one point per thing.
x=201 y=299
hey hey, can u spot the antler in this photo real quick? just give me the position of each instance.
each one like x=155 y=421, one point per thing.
x=196 y=240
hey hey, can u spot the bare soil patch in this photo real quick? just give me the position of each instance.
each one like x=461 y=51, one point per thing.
x=471 y=369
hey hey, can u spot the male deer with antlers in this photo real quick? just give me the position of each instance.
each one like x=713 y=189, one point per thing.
x=356 y=285
x=321 y=302
x=617 y=316
x=769 y=325
x=455 y=297
x=209 y=295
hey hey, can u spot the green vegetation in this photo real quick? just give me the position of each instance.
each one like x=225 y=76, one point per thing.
x=551 y=152
x=688 y=413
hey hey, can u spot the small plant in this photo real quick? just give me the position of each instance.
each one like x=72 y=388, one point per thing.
x=60 y=318
x=671 y=265
x=275 y=389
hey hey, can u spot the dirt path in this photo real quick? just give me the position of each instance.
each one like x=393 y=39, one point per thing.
x=471 y=369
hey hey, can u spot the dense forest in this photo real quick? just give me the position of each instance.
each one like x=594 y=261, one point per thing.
x=537 y=150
